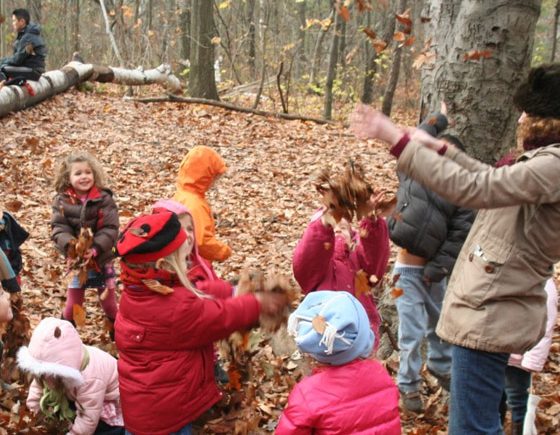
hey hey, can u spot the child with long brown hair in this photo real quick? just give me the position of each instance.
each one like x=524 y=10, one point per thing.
x=84 y=202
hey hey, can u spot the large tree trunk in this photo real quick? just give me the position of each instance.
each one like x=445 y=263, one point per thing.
x=15 y=98
x=331 y=72
x=478 y=92
x=202 y=83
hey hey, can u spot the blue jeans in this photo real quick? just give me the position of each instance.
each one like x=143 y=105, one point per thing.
x=477 y=385
x=518 y=382
x=185 y=430
x=419 y=308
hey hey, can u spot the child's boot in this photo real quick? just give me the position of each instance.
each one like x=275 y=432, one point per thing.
x=412 y=401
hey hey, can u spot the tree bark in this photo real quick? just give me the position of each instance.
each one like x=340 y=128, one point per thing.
x=555 y=31
x=479 y=92
x=331 y=72
x=395 y=69
x=301 y=57
x=184 y=25
x=202 y=82
x=252 y=52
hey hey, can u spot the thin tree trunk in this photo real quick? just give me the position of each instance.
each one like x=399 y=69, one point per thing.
x=252 y=53
x=317 y=54
x=76 y=25
x=184 y=25
x=264 y=21
x=331 y=72
x=301 y=57
x=479 y=92
x=395 y=70
x=108 y=31
x=555 y=31
x=370 y=68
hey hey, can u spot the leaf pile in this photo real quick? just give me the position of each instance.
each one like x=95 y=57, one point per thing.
x=264 y=203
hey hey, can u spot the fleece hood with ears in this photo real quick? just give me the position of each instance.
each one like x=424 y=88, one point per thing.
x=55 y=349
x=199 y=168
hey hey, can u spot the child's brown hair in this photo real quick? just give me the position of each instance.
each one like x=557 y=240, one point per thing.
x=62 y=180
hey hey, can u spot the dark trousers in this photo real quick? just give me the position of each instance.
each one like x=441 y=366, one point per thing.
x=8 y=72
x=477 y=385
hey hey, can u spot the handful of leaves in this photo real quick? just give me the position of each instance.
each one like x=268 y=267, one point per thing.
x=349 y=194
x=274 y=283
x=79 y=254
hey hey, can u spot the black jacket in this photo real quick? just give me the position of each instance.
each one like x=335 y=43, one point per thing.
x=30 y=35
x=427 y=225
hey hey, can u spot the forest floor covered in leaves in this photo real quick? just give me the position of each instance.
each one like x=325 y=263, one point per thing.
x=263 y=202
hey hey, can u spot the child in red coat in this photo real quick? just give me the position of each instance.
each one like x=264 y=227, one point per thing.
x=348 y=392
x=166 y=326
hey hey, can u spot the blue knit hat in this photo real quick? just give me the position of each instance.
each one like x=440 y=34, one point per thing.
x=332 y=326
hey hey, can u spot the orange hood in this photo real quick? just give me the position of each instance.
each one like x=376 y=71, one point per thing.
x=199 y=168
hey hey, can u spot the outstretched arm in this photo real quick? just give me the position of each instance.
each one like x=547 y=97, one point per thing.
x=313 y=254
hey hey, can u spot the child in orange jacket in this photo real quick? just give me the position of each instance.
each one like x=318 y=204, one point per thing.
x=199 y=169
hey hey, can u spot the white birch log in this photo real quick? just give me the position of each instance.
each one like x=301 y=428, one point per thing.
x=15 y=98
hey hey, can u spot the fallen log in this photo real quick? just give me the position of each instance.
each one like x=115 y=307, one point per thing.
x=15 y=98
x=229 y=106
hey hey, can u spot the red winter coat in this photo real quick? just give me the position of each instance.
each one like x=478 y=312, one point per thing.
x=166 y=369
x=324 y=262
x=356 y=398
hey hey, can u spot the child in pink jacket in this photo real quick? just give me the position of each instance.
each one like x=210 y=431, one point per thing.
x=348 y=392
x=71 y=381
x=333 y=256
x=521 y=367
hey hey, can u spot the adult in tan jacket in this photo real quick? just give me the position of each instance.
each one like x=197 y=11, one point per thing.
x=495 y=302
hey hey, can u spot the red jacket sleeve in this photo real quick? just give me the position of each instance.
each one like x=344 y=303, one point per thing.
x=201 y=321
x=296 y=418
x=218 y=288
x=372 y=252
x=313 y=255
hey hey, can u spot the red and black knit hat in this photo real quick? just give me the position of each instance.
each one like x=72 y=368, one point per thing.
x=151 y=237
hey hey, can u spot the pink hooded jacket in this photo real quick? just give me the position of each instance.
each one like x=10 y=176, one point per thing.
x=323 y=261
x=56 y=349
x=534 y=359
x=356 y=398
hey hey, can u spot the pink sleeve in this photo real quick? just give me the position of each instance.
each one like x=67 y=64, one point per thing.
x=372 y=252
x=296 y=419
x=535 y=358
x=313 y=255
x=35 y=393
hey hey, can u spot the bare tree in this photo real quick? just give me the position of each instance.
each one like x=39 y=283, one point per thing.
x=395 y=69
x=555 y=31
x=482 y=52
x=333 y=60
x=202 y=83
